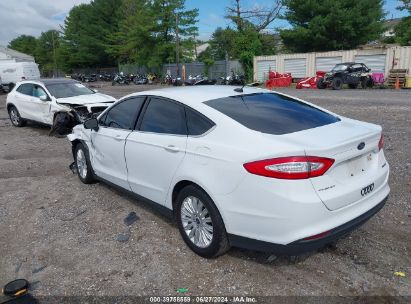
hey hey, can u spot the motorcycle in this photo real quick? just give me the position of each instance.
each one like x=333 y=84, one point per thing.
x=200 y=80
x=233 y=79
x=140 y=79
x=120 y=79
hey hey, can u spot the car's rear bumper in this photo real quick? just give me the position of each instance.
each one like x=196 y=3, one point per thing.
x=303 y=246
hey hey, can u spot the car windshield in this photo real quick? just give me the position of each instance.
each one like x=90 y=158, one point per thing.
x=68 y=89
x=272 y=113
x=340 y=67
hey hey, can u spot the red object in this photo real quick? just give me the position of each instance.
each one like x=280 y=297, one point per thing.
x=310 y=82
x=318 y=236
x=381 y=142
x=276 y=80
x=293 y=167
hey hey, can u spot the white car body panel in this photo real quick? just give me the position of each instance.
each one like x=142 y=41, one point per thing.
x=108 y=160
x=166 y=152
x=268 y=209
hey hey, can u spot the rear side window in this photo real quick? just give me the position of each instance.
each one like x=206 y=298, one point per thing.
x=26 y=89
x=123 y=115
x=272 y=113
x=163 y=116
x=197 y=124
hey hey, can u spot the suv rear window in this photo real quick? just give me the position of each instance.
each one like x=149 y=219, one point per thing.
x=272 y=113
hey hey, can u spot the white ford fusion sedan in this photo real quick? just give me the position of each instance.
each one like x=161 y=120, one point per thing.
x=248 y=168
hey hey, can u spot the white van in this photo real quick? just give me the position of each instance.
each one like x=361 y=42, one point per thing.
x=12 y=72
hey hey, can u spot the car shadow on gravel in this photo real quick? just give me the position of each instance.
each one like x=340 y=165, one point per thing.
x=38 y=127
x=142 y=203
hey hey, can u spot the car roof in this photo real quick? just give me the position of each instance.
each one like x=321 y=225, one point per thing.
x=349 y=63
x=193 y=95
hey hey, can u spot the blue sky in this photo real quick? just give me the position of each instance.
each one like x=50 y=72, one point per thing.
x=31 y=17
x=212 y=13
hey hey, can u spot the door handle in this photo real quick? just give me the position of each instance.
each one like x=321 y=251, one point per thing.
x=118 y=137
x=172 y=148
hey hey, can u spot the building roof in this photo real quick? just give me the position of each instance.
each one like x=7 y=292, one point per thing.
x=392 y=22
x=12 y=54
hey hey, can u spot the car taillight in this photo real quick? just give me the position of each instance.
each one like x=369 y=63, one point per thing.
x=381 y=142
x=293 y=167
x=317 y=236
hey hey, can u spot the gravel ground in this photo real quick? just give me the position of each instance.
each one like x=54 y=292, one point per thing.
x=62 y=235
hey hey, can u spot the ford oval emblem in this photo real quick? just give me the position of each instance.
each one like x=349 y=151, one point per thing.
x=361 y=146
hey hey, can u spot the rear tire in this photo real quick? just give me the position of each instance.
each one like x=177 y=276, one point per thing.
x=337 y=83
x=83 y=165
x=15 y=117
x=195 y=209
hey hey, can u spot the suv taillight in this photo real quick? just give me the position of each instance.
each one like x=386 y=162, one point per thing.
x=381 y=143
x=293 y=167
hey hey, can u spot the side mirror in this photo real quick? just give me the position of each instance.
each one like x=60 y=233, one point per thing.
x=43 y=98
x=91 y=124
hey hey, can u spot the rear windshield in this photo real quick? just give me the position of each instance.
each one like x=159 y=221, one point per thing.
x=272 y=113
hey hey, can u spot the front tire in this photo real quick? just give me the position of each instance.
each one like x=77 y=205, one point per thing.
x=15 y=117
x=367 y=82
x=83 y=165
x=200 y=223
x=321 y=84
x=337 y=83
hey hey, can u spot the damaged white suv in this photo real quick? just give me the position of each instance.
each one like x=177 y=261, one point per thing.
x=61 y=103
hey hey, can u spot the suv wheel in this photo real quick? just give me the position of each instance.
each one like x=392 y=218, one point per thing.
x=337 y=83
x=200 y=223
x=15 y=117
x=321 y=84
x=367 y=82
x=83 y=166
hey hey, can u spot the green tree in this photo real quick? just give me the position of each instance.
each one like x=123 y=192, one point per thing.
x=24 y=43
x=167 y=14
x=403 y=31
x=132 y=41
x=86 y=34
x=46 y=52
x=324 y=25
x=406 y=5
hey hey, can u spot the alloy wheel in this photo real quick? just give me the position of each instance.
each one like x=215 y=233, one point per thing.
x=81 y=163
x=196 y=222
x=14 y=116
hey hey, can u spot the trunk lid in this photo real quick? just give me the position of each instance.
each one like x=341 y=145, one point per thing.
x=358 y=162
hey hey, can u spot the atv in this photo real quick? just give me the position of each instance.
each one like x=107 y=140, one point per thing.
x=350 y=73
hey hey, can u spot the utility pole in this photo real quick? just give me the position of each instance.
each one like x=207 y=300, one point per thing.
x=54 y=55
x=177 y=48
